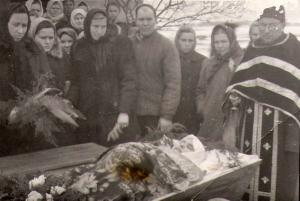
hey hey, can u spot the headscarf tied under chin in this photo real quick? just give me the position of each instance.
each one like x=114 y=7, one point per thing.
x=7 y=8
x=234 y=48
x=50 y=15
x=72 y=19
x=185 y=29
x=87 y=25
x=56 y=50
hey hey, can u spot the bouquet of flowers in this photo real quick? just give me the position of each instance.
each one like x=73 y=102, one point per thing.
x=45 y=109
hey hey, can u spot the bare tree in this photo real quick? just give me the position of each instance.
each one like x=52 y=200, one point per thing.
x=176 y=12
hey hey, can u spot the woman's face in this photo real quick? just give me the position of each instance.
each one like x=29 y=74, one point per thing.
x=186 y=42
x=35 y=9
x=113 y=12
x=45 y=37
x=56 y=9
x=66 y=42
x=221 y=43
x=78 y=19
x=17 y=25
x=254 y=33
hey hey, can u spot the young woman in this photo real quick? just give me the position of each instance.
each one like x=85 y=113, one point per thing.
x=191 y=63
x=43 y=32
x=54 y=11
x=215 y=76
x=21 y=64
x=67 y=36
x=77 y=18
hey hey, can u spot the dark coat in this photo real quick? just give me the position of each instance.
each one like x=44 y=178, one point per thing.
x=191 y=65
x=60 y=68
x=103 y=81
x=21 y=64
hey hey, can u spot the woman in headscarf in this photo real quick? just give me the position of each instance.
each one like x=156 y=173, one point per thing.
x=77 y=18
x=67 y=36
x=104 y=88
x=21 y=64
x=215 y=76
x=191 y=64
x=43 y=32
x=254 y=32
x=83 y=6
x=54 y=11
x=35 y=8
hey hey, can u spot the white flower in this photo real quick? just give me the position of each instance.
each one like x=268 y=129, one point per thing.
x=34 y=196
x=49 y=197
x=85 y=183
x=57 y=190
x=37 y=182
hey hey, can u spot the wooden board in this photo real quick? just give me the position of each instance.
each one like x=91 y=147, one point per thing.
x=51 y=159
x=230 y=184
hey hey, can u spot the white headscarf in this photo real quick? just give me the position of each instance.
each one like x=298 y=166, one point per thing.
x=73 y=14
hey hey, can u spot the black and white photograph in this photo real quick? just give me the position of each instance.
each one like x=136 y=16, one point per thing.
x=149 y=100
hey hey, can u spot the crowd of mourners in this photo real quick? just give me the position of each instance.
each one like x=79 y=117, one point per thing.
x=127 y=78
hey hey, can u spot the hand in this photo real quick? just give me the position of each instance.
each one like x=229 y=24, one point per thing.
x=164 y=124
x=122 y=122
x=13 y=115
x=235 y=100
x=114 y=134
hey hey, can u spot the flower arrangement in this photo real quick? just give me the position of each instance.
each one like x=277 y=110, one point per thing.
x=45 y=109
x=134 y=171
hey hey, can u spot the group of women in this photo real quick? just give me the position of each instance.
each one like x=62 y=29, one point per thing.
x=204 y=80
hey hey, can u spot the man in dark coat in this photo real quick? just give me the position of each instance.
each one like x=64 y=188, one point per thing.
x=21 y=64
x=104 y=80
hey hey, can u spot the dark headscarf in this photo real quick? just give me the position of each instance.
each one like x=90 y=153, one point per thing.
x=7 y=8
x=87 y=25
x=185 y=29
x=7 y=43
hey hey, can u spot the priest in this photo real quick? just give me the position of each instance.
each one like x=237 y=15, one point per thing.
x=262 y=106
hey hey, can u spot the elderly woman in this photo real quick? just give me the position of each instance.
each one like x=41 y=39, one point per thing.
x=77 y=18
x=54 y=11
x=21 y=64
x=191 y=64
x=35 y=8
x=43 y=32
x=215 y=76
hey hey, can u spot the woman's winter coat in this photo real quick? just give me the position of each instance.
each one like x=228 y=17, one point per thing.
x=191 y=65
x=104 y=80
x=214 y=78
x=21 y=64
x=59 y=61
